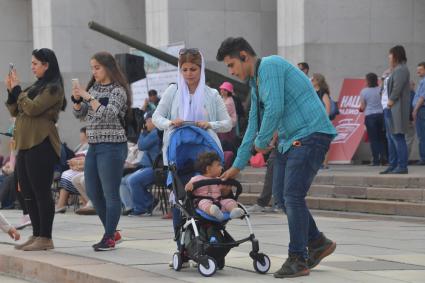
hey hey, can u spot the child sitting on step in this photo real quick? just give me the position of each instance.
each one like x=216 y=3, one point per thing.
x=209 y=164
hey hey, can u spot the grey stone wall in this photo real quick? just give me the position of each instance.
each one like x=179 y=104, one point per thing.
x=15 y=46
x=205 y=24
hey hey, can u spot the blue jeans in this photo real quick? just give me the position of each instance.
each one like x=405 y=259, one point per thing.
x=125 y=193
x=295 y=171
x=103 y=170
x=397 y=146
x=139 y=182
x=375 y=131
x=420 y=131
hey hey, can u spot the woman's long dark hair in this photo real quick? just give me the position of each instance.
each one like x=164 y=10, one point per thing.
x=52 y=76
x=114 y=73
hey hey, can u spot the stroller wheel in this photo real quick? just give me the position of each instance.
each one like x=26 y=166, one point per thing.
x=220 y=263
x=177 y=261
x=262 y=263
x=212 y=268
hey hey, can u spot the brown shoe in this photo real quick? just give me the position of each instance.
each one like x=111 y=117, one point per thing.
x=40 y=244
x=86 y=211
x=30 y=240
x=319 y=249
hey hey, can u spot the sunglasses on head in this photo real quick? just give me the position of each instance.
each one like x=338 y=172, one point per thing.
x=192 y=51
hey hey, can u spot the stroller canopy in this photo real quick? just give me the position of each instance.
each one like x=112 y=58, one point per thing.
x=187 y=142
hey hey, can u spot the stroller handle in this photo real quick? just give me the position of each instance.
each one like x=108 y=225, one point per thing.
x=229 y=182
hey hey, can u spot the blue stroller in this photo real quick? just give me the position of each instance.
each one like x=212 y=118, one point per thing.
x=201 y=237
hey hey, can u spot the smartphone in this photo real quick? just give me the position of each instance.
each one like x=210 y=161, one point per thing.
x=11 y=67
x=75 y=83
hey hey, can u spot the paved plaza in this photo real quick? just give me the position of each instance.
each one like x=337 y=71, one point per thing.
x=370 y=249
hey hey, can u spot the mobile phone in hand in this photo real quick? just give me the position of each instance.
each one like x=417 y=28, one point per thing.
x=11 y=67
x=75 y=83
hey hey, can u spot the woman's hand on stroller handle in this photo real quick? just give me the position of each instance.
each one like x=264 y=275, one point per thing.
x=203 y=124
x=177 y=123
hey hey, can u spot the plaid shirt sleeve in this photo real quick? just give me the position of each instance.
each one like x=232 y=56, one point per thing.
x=272 y=89
x=244 y=151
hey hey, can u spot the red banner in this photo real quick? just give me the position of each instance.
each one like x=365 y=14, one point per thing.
x=349 y=123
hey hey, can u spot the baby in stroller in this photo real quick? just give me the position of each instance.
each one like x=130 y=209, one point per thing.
x=200 y=235
x=210 y=198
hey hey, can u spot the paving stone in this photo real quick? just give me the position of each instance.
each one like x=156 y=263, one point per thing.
x=374 y=265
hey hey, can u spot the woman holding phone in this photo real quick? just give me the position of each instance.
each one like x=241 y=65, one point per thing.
x=36 y=109
x=104 y=104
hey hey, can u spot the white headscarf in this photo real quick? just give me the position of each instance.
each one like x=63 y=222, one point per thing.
x=191 y=107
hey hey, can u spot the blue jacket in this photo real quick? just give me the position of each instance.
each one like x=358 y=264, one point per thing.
x=150 y=144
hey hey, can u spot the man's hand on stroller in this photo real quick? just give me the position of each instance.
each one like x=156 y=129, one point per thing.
x=203 y=124
x=230 y=173
x=225 y=190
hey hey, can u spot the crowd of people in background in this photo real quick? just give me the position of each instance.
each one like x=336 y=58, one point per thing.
x=112 y=175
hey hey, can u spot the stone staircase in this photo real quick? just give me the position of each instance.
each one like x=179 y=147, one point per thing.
x=359 y=191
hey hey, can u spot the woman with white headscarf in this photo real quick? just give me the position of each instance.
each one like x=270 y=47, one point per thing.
x=191 y=100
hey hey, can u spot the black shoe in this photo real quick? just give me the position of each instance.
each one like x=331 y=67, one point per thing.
x=387 y=171
x=420 y=162
x=107 y=244
x=318 y=250
x=400 y=171
x=97 y=244
x=127 y=211
x=294 y=266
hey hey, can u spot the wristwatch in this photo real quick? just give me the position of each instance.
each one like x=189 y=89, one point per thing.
x=90 y=99
x=76 y=101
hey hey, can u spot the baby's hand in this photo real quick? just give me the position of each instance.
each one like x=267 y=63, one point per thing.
x=14 y=234
x=189 y=187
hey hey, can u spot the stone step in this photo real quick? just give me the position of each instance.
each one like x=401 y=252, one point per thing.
x=253 y=188
x=380 y=181
x=357 y=179
x=403 y=194
x=368 y=206
x=355 y=205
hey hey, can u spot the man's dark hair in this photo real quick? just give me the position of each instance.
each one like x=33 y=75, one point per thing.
x=206 y=159
x=372 y=80
x=304 y=66
x=422 y=64
x=83 y=130
x=232 y=46
x=152 y=92
x=399 y=54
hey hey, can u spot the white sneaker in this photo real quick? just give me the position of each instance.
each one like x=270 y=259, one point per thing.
x=25 y=221
x=256 y=209
x=272 y=209
x=236 y=213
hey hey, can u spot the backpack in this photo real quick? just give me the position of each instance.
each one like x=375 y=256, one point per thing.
x=334 y=105
x=334 y=109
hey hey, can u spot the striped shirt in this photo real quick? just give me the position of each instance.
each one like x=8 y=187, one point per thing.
x=105 y=123
x=291 y=106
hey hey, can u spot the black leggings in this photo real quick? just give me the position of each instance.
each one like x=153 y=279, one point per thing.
x=35 y=176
